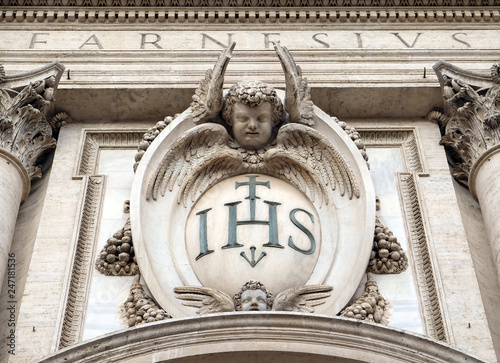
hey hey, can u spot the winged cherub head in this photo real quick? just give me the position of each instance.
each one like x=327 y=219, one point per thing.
x=253 y=296
x=252 y=110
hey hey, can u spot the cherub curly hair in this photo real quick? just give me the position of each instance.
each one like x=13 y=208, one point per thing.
x=253 y=285
x=252 y=94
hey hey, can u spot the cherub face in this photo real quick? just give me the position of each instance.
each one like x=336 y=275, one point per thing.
x=253 y=300
x=252 y=126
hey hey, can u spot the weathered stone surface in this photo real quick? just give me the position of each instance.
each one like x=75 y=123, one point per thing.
x=337 y=237
x=369 y=64
x=321 y=338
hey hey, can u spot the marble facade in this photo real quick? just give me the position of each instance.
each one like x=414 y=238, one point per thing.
x=128 y=67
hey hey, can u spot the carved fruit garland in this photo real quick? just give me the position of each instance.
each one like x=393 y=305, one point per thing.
x=355 y=137
x=149 y=137
x=371 y=306
x=387 y=254
x=140 y=308
x=117 y=257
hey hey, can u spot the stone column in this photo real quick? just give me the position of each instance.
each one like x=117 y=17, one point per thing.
x=25 y=136
x=470 y=125
x=485 y=186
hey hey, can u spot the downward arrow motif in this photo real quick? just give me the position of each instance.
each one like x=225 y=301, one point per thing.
x=253 y=262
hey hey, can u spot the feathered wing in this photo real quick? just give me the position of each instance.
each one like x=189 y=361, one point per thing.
x=207 y=300
x=302 y=299
x=196 y=161
x=208 y=97
x=309 y=161
x=298 y=102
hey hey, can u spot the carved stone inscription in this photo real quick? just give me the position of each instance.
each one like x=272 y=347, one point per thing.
x=151 y=41
x=253 y=225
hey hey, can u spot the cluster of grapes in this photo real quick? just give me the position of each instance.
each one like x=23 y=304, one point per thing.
x=387 y=256
x=371 y=306
x=363 y=311
x=140 y=308
x=117 y=256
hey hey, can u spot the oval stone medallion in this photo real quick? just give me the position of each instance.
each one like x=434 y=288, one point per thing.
x=253 y=227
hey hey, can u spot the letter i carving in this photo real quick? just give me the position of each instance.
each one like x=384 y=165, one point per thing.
x=203 y=234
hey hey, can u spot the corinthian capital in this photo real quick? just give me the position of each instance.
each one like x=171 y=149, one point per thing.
x=471 y=118
x=25 y=133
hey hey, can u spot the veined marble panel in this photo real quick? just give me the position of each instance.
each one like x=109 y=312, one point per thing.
x=108 y=292
x=385 y=164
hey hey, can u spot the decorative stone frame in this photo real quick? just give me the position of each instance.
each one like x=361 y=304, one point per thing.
x=420 y=250
x=84 y=254
x=95 y=140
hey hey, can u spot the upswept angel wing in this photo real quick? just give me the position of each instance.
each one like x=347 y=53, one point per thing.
x=208 y=100
x=196 y=161
x=303 y=298
x=309 y=161
x=207 y=300
x=298 y=102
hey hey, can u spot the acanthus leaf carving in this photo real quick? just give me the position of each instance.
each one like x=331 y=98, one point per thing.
x=59 y=120
x=24 y=131
x=471 y=118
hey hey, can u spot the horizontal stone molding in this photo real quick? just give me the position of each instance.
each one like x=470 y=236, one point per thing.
x=229 y=14
x=406 y=139
x=256 y=3
x=316 y=337
x=105 y=139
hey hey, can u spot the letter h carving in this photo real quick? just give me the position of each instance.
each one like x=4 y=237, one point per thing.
x=233 y=221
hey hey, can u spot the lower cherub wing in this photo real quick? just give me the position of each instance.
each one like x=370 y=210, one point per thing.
x=302 y=299
x=207 y=300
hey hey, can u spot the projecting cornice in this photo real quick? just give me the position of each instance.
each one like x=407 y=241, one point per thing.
x=227 y=11
x=254 y=3
x=275 y=336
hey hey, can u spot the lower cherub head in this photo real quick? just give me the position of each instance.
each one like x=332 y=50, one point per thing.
x=253 y=296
